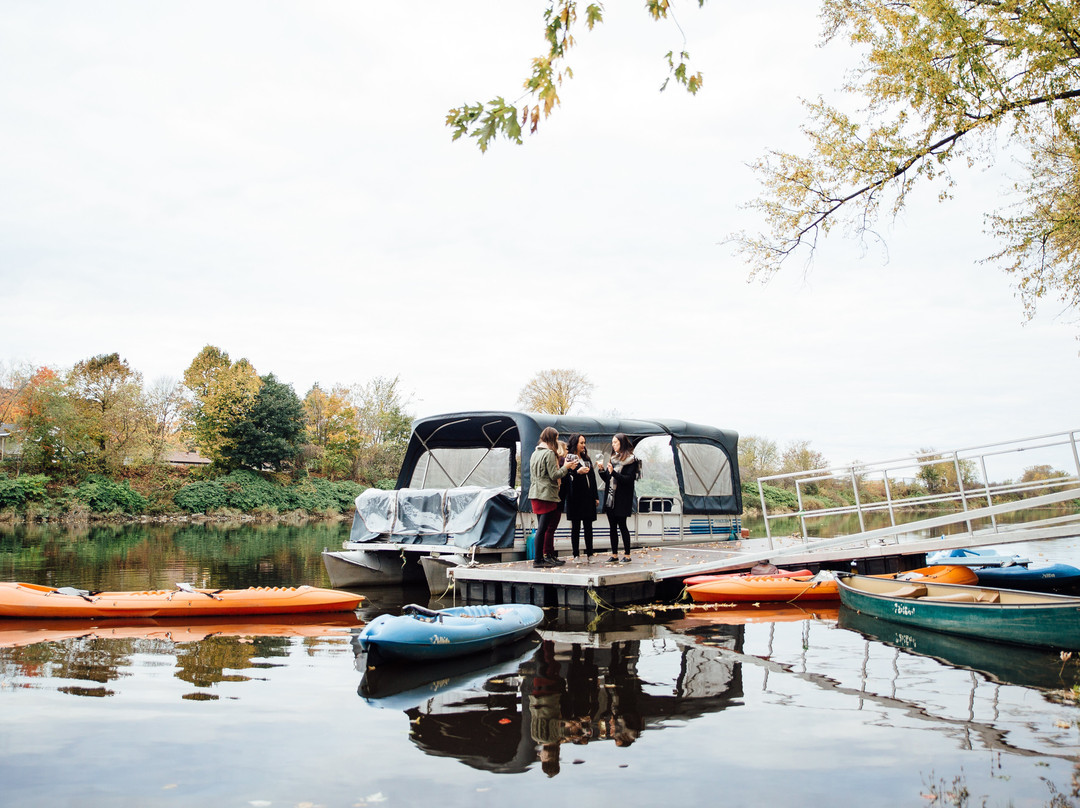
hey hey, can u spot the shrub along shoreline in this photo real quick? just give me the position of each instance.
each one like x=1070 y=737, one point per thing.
x=165 y=495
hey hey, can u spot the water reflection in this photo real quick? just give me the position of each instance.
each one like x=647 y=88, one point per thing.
x=205 y=652
x=1003 y=664
x=144 y=556
x=507 y=715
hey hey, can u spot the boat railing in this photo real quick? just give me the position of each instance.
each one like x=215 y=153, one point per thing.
x=906 y=488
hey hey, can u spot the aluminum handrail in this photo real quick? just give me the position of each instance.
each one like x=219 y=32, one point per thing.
x=966 y=490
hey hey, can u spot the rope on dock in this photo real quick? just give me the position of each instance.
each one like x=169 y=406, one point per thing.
x=599 y=601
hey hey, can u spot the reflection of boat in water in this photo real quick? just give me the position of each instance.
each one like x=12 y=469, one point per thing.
x=1025 y=666
x=401 y=686
x=745 y=614
x=507 y=715
x=15 y=633
x=34 y=601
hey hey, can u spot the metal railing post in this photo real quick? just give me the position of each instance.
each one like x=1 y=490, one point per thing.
x=986 y=486
x=858 y=502
x=888 y=498
x=960 y=487
x=764 y=513
x=802 y=512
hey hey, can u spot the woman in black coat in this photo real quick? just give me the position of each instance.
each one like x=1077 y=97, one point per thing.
x=619 y=476
x=581 y=496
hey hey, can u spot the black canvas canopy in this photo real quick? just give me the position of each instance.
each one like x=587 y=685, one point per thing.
x=480 y=448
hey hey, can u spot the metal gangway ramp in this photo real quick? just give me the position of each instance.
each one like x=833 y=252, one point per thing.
x=1020 y=490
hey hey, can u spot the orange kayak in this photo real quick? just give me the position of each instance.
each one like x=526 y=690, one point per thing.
x=31 y=600
x=701 y=579
x=763 y=589
x=943 y=574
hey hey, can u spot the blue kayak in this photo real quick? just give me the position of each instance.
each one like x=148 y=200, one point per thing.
x=426 y=634
x=1036 y=577
x=963 y=557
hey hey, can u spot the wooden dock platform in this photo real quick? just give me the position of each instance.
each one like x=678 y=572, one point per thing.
x=595 y=584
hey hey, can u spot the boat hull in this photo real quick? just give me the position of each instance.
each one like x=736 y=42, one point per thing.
x=21 y=600
x=1023 y=618
x=1061 y=578
x=763 y=589
x=448 y=633
x=355 y=568
x=947 y=574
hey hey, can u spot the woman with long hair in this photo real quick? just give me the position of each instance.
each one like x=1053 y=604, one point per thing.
x=545 y=472
x=619 y=476
x=581 y=496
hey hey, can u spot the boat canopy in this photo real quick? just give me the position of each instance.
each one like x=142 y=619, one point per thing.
x=481 y=448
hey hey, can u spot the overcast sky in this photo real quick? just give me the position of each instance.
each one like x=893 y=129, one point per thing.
x=276 y=179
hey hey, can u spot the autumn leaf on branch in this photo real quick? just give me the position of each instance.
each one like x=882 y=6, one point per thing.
x=485 y=122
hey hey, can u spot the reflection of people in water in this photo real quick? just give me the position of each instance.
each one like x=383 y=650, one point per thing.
x=593 y=702
x=545 y=697
x=582 y=699
x=622 y=720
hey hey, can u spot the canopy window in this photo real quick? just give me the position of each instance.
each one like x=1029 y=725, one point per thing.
x=707 y=475
x=455 y=468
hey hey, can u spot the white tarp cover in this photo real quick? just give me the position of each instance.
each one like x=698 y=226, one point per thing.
x=463 y=516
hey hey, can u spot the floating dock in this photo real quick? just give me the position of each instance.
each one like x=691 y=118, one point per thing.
x=653 y=574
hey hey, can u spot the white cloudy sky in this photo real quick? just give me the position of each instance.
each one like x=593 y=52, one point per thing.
x=275 y=178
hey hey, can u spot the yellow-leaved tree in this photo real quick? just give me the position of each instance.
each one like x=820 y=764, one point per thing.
x=223 y=395
x=555 y=391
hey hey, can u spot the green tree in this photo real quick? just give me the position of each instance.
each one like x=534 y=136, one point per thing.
x=758 y=457
x=498 y=117
x=333 y=431
x=48 y=426
x=108 y=396
x=223 y=394
x=271 y=432
x=384 y=427
x=941 y=81
x=555 y=391
x=164 y=406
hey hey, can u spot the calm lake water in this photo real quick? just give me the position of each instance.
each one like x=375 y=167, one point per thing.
x=746 y=707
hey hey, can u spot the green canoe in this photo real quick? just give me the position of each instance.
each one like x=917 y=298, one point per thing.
x=1002 y=615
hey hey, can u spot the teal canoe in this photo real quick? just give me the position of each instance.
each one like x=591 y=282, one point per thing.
x=1002 y=615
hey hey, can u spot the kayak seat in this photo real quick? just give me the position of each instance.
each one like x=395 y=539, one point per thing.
x=421 y=612
x=910 y=591
x=967 y=597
